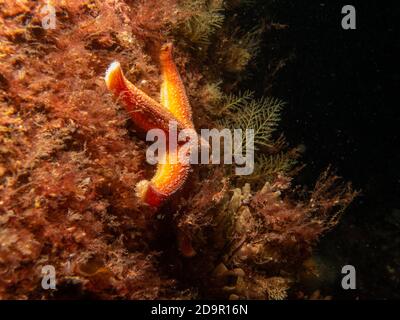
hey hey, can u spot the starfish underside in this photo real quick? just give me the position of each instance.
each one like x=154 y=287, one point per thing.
x=148 y=114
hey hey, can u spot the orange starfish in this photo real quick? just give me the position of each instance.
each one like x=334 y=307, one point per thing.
x=148 y=114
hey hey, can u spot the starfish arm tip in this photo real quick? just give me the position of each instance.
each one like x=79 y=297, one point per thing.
x=113 y=75
x=148 y=195
x=166 y=51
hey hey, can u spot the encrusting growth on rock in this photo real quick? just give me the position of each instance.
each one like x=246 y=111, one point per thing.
x=148 y=114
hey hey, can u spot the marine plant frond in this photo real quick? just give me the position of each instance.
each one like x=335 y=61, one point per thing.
x=250 y=40
x=260 y=115
x=330 y=192
x=203 y=19
x=239 y=47
x=235 y=102
x=281 y=144
x=212 y=96
x=268 y=166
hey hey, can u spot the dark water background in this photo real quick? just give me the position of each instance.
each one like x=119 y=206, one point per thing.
x=340 y=87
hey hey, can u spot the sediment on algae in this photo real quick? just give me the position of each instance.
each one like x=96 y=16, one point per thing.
x=70 y=158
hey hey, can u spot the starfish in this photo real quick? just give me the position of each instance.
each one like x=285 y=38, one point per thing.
x=148 y=114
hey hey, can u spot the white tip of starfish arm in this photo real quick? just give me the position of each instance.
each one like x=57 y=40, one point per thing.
x=114 y=77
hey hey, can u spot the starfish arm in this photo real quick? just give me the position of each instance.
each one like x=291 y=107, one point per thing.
x=168 y=179
x=145 y=112
x=173 y=94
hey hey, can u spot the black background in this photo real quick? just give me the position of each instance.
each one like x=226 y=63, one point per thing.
x=341 y=91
